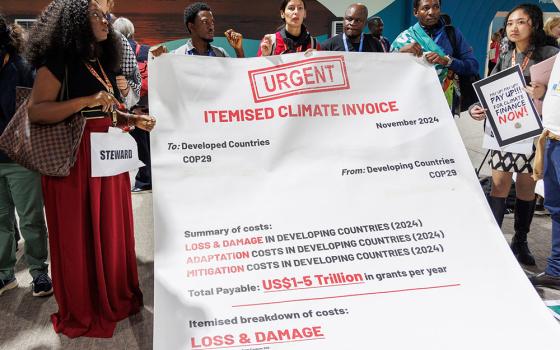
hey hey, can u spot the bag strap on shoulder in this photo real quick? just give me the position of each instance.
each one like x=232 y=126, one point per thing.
x=64 y=95
x=450 y=31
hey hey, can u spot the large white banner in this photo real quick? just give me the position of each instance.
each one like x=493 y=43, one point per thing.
x=325 y=203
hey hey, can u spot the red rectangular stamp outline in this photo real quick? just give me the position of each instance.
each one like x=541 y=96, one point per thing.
x=338 y=60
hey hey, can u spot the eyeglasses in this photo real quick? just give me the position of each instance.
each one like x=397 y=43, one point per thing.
x=519 y=22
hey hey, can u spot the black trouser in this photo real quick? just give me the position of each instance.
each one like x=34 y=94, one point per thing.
x=144 y=176
x=16 y=230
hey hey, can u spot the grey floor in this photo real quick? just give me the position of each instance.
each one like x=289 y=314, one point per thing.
x=25 y=322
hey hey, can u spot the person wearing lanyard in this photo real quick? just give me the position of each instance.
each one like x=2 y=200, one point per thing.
x=527 y=46
x=90 y=219
x=429 y=38
x=199 y=21
x=292 y=36
x=353 y=38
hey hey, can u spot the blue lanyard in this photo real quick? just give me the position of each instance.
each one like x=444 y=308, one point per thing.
x=344 y=39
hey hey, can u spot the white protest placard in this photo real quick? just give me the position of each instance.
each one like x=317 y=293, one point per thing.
x=324 y=203
x=113 y=153
x=511 y=112
x=540 y=73
x=489 y=142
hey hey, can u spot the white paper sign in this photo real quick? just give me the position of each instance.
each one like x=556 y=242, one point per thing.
x=490 y=142
x=113 y=153
x=327 y=211
x=511 y=112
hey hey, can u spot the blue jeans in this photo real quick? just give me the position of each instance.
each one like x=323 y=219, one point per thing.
x=552 y=202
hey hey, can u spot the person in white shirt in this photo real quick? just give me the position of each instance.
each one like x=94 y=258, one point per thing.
x=549 y=147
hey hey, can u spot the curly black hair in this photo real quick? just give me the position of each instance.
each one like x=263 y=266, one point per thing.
x=64 y=30
x=192 y=11
x=538 y=36
x=11 y=37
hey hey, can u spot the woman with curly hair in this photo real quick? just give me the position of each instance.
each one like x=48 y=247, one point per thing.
x=293 y=35
x=90 y=220
x=527 y=46
x=20 y=188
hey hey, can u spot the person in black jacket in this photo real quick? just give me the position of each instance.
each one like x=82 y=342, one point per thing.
x=375 y=25
x=20 y=188
x=143 y=179
x=353 y=38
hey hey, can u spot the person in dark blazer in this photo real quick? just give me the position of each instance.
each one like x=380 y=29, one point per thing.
x=353 y=39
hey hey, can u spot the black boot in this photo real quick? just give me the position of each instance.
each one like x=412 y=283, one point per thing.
x=524 y=211
x=498 y=206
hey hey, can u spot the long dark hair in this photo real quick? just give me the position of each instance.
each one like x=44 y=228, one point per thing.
x=11 y=38
x=283 y=6
x=538 y=36
x=64 y=30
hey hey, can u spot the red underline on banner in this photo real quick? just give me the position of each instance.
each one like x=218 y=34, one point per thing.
x=332 y=285
x=280 y=342
x=350 y=295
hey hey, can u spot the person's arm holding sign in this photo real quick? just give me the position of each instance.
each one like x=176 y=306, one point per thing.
x=477 y=112
x=44 y=108
x=536 y=90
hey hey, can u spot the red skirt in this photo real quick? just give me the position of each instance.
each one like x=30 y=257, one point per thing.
x=91 y=238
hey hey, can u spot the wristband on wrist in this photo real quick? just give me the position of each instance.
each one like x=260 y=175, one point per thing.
x=122 y=120
x=129 y=123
